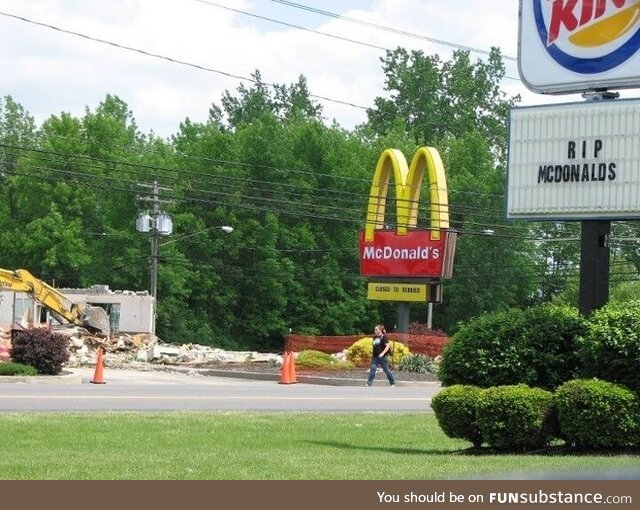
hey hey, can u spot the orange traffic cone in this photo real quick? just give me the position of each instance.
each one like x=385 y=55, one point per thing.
x=285 y=375
x=292 y=369
x=97 y=376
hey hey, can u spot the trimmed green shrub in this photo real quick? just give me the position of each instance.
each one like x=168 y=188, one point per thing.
x=611 y=348
x=322 y=360
x=535 y=347
x=517 y=418
x=360 y=352
x=598 y=414
x=399 y=352
x=43 y=349
x=456 y=410
x=417 y=364
x=9 y=368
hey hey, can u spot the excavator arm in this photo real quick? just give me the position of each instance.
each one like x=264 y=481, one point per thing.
x=21 y=280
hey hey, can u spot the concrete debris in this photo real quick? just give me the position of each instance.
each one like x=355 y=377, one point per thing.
x=145 y=348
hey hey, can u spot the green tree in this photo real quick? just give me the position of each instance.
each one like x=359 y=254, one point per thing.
x=282 y=101
x=17 y=129
x=435 y=98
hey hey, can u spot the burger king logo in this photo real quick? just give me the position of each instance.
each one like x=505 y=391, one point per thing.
x=588 y=36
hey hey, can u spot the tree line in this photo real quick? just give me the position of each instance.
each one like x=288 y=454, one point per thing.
x=294 y=186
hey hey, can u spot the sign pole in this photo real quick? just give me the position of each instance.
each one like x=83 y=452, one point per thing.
x=404 y=310
x=594 y=265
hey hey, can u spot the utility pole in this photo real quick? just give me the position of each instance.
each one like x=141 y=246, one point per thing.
x=157 y=224
x=154 y=243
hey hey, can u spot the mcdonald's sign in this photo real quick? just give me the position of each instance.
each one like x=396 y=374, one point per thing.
x=408 y=251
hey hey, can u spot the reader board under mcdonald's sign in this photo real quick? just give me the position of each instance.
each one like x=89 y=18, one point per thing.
x=408 y=251
x=399 y=291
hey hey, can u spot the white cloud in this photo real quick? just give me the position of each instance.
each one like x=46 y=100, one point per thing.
x=48 y=71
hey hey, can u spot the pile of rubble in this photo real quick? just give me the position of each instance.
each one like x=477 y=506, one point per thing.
x=125 y=349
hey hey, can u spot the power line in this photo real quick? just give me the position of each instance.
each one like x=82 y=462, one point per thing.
x=566 y=272
x=164 y=57
x=216 y=179
x=263 y=204
x=328 y=212
x=182 y=172
x=336 y=212
x=221 y=161
x=291 y=25
x=349 y=209
x=347 y=39
x=387 y=28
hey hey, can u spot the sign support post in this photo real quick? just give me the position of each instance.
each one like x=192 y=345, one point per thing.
x=594 y=265
x=403 y=317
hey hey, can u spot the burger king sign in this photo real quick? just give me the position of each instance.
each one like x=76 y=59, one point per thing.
x=579 y=45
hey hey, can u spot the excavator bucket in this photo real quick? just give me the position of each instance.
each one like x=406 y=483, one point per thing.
x=96 y=319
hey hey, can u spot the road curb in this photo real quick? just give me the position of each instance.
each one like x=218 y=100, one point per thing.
x=64 y=378
x=74 y=378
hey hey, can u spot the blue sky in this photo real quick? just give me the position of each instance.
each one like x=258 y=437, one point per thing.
x=49 y=72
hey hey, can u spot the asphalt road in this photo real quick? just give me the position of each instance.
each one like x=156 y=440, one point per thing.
x=126 y=390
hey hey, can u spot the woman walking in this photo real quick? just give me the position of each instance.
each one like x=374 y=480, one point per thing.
x=379 y=357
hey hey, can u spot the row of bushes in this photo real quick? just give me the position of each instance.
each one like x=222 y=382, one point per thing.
x=359 y=354
x=544 y=346
x=416 y=363
x=585 y=413
x=10 y=368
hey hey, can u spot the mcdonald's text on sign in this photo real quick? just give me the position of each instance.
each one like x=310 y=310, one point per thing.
x=414 y=255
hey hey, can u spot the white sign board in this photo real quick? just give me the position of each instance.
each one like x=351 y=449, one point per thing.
x=570 y=46
x=574 y=161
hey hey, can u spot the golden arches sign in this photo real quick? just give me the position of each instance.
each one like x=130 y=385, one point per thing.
x=408 y=251
x=408 y=180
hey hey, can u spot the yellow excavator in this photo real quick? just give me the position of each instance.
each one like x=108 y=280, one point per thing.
x=93 y=318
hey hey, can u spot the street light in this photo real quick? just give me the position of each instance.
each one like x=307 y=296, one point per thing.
x=225 y=228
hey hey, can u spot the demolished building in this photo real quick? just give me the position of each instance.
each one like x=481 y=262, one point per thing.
x=129 y=311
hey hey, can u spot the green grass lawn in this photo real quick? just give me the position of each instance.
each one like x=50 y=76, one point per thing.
x=256 y=446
